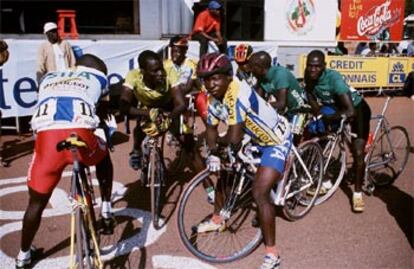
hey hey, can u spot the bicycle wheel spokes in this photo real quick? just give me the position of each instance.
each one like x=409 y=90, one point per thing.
x=303 y=178
x=334 y=155
x=156 y=179
x=389 y=156
x=172 y=153
x=239 y=237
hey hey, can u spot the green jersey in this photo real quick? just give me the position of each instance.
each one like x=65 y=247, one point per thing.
x=277 y=78
x=330 y=85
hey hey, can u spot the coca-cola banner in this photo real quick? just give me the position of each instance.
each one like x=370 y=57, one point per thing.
x=372 y=19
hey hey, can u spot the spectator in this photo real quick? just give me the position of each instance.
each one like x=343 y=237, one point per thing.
x=360 y=47
x=371 y=51
x=410 y=49
x=341 y=49
x=54 y=54
x=207 y=27
x=408 y=88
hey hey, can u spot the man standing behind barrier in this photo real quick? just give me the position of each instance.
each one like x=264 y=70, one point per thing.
x=54 y=54
x=326 y=87
x=207 y=27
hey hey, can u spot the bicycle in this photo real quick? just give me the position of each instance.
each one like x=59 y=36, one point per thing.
x=83 y=220
x=152 y=173
x=174 y=157
x=241 y=234
x=387 y=156
x=378 y=157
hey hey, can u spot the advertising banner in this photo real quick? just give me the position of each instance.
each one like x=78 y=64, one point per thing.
x=372 y=20
x=300 y=20
x=18 y=87
x=368 y=72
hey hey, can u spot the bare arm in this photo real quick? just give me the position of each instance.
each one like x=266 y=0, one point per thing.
x=233 y=136
x=281 y=100
x=126 y=103
x=179 y=102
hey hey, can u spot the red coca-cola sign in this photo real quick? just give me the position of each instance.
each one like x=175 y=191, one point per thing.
x=372 y=19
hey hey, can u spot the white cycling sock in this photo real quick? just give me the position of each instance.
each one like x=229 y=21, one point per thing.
x=357 y=194
x=23 y=255
x=106 y=209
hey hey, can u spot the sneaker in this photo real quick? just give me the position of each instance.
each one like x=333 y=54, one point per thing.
x=270 y=261
x=135 y=159
x=25 y=263
x=107 y=225
x=358 y=204
x=312 y=189
x=209 y=226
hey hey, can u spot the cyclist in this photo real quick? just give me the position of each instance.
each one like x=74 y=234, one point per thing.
x=151 y=87
x=280 y=88
x=242 y=53
x=245 y=112
x=278 y=82
x=179 y=67
x=326 y=87
x=66 y=104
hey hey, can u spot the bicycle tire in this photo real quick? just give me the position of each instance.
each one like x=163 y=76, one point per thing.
x=394 y=151
x=242 y=233
x=298 y=201
x=334 y=156
x=155 y=170
x=79 y=238
x=172 y=153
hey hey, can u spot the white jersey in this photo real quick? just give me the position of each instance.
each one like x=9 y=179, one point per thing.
x=67 y=99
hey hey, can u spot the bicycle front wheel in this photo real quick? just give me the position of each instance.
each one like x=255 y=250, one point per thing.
x=389 y=156
x=334 y=156
x=241 y=234
x=304 y=180
x=156 y=174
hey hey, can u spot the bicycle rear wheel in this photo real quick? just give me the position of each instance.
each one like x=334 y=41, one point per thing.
x=241 y=234
x=156 y=174
x=334 y=156
x=301 y=179
x=389 y=156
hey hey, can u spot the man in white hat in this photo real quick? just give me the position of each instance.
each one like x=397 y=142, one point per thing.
x=54 y=54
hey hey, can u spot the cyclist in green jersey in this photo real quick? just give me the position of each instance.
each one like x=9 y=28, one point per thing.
x=277 y=81
x=327 y=87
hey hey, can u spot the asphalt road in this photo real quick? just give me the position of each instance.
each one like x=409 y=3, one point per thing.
x=331 y=236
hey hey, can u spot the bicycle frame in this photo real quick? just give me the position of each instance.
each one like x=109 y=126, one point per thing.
x=79 y=199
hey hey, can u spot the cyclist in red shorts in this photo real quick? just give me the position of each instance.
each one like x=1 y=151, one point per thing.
x=66 y=104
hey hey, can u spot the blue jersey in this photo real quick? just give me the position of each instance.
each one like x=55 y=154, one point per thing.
x=67 y=99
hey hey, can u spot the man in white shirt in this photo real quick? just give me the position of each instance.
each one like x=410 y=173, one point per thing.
x=54 y=54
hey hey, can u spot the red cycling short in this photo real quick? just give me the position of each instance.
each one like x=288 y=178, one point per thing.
x=48 y=164
x=202 y=105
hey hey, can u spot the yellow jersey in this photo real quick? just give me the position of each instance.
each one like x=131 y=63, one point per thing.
x=147 y=97
x=180 y=74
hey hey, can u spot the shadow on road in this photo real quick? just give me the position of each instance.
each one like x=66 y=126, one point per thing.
x=17 y=148
x=400 y=205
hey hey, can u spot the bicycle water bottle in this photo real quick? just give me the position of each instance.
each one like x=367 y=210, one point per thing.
x=370 y=140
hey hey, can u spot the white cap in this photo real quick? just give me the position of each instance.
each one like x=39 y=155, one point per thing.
x=49 y=26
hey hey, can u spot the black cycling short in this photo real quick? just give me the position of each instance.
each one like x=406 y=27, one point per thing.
x=360 y=123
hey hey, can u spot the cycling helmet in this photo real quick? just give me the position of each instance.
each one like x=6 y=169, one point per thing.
x=178 y=41
x=214 y=63
x=242 y=52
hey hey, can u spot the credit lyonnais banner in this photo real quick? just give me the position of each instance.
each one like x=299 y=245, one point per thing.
x=372 y=19
x=368 y=72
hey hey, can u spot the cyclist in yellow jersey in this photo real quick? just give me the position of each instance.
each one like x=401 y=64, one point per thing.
x=179 y=68
x=152 y=89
